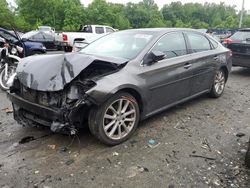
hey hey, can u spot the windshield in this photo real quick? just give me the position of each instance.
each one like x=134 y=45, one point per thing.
x=9 y=37
x=241 y=35
x=122 y=45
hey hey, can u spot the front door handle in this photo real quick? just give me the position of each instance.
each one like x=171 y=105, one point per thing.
x=187 y=65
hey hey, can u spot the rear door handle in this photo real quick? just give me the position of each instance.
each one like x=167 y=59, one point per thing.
x=187 y=65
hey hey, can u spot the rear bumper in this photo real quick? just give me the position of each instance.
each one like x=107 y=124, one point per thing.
x=241 y=60
x=58 y=43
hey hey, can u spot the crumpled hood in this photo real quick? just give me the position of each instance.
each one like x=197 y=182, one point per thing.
x=53 y=72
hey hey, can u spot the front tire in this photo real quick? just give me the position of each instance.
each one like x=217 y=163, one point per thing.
x=218 y=84
x=115 y=120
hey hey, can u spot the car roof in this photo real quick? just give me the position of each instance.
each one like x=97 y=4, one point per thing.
x=160 y=30
x=244 y=29
x=5 y=30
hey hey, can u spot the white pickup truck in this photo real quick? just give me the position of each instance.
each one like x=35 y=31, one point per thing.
x=66 y=40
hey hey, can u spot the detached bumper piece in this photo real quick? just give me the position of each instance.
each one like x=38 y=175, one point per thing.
x=28 y=113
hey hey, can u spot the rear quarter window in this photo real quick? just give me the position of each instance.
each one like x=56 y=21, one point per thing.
x=198 y=42
x=241 y=35
x=99 y=30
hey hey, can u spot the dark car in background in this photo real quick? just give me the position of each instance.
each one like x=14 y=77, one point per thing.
x=118 y=80
x=47 y=39
x=239 y=44
x=30 y=48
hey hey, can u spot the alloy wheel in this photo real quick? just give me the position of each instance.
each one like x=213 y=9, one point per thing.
x=219 y=82
x=119 y=119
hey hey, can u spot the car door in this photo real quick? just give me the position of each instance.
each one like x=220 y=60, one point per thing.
x=169 y=79
x=203 y=63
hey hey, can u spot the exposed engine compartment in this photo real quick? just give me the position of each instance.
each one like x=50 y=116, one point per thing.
x=55 y=95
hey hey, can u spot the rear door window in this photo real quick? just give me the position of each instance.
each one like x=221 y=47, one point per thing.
x=8 y=37
x=99 y=30
x=173 y=45
x=38 y=37
x=198 y=43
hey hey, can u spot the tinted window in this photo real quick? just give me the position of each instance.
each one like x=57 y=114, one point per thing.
x=241 y=35
x=48 y=37
x=198 y=43
x=99 y=30
x=38 y=37
x=172 y=45
x=109 y=30
x=87 y=29
x=8 y=37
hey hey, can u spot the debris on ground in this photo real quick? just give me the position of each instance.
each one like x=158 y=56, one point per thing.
x=240 y=135
x=52 y=146
x=200 y=156
x=26 y=139
x=243 y=151
x=135 y=170
x=181 y=128
x=205 y=145
x=115 y=154
x=37 y=171
x=63 y=149
x=152 y=143
x=7 y=110
x=13 y=146
x=69 y=162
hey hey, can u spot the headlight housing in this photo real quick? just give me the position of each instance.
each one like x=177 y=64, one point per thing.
x=78 y=89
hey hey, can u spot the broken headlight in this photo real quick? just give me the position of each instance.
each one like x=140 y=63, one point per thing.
x=78 y=88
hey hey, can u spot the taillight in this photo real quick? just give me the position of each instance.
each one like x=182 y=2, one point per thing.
x=228 y=41
x=65 y=37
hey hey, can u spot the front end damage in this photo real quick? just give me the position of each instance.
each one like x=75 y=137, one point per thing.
x=63 y=110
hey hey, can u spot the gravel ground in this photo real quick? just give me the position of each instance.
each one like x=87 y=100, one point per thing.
x=199 y=144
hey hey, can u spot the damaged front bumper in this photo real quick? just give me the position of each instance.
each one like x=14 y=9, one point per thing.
x=59 y=120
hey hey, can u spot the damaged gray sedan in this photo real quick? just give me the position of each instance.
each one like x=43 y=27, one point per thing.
x=118 y=80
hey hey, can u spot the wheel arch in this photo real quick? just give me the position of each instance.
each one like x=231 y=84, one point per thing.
x=136 y=95
x=225 y=70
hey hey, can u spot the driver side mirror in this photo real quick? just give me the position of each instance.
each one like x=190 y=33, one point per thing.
x=153 y=57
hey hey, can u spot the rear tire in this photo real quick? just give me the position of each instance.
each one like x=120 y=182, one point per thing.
x=115 y=120
x=218 y=84
x=67 y=49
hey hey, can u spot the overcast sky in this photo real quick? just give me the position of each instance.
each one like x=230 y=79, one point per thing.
x=160 y=3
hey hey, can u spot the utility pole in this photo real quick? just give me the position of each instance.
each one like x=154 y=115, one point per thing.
x=241 y=14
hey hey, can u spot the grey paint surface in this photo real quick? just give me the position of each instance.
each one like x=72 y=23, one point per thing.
x=159 y=85
x=53 y=72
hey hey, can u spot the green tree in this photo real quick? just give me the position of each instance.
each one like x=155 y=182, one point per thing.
x=74 y=15
x=6 y=16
